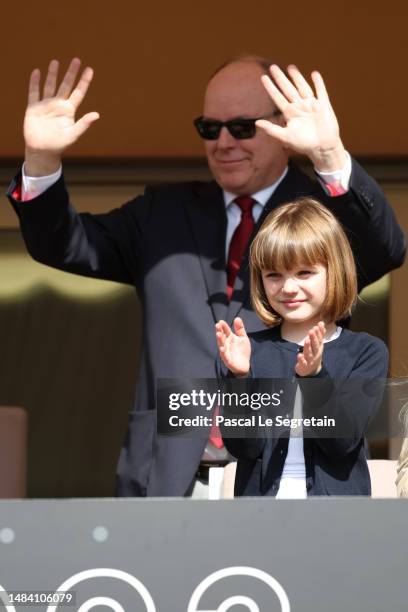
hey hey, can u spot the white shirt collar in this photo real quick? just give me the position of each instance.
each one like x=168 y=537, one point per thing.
x=261 y=196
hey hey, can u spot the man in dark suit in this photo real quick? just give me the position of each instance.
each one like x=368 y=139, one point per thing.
x=174 y=243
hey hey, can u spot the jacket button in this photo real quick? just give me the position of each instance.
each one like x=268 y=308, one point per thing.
x=366 y=197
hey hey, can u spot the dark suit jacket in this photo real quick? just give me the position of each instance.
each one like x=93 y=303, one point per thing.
x=170 y=244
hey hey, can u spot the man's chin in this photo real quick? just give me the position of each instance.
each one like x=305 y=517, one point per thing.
x=232 y=183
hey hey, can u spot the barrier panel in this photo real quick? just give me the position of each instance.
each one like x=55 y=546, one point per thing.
x=182 y=555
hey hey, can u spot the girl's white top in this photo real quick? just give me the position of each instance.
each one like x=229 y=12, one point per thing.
x=293 y=480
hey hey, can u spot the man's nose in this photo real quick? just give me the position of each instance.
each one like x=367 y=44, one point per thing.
x=225 y=139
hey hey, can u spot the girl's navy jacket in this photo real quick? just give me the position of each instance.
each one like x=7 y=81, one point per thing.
x=349 y=388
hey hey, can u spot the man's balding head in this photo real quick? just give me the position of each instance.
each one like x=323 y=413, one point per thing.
x=248 y=165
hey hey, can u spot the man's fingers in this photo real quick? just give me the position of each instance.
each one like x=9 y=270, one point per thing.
x=276 y=131
x=34 y=87
x=80 y=90
x=51 y=79
x=299 y=80
x=321 y=90
x=83 y=124
x=68 y=81
x=277 y=97
x=284 y=84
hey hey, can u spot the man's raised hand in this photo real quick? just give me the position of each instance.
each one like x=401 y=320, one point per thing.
x=310 y=124
x=49 y=123
x=235 y=348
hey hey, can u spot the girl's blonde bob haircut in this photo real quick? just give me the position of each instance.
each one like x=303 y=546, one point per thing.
x=304 y=232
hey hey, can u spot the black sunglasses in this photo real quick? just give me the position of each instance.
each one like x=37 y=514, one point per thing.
x=210 y=129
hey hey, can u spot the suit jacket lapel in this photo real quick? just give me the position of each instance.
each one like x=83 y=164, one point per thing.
x=295 y=184
x=209 y=225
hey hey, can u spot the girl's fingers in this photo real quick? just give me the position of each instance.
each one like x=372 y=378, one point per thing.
x=220 y=334
x=318 y=333
x=223 y=327
x=307 y=349
x=239 y=327
x=322 y=329
x=315 y=341
x=220 y=340
x=301 y=361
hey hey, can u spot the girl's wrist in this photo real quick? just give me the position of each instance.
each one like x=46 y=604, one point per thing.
x=317 y=371
x=241 y=373
x=311 y=374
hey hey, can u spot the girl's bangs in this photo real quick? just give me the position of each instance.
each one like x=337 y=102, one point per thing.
x=283 y=250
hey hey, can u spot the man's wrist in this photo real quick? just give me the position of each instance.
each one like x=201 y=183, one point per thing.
x=329 y=160
x=39 y=163
x=34 y=186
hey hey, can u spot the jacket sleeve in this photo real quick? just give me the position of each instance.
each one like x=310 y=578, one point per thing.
x=351 y=402
x=377 y=240
x=105 y=246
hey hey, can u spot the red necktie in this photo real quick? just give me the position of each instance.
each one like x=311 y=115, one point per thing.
x=239 y=241
x=237 y=248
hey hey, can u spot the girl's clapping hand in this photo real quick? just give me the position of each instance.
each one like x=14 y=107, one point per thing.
x=235 y=348
x=309 y=363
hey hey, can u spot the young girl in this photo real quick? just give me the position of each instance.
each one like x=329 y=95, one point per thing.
x=303 y=280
